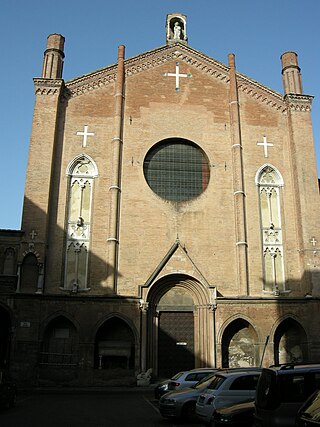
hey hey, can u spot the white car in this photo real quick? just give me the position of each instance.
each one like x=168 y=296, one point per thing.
x=226 y=389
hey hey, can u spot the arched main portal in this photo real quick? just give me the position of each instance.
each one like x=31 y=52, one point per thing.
x=180 y=326
x=290 y=342
x=5 y=337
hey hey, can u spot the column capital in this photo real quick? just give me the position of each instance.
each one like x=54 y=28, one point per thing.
x=48 y=86
x=297 y=102
x=143 y=305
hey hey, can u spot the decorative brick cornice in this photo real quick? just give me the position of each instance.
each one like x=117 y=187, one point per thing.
x=297 y=102
x=206 y=65
x=95 y=80
x=174 y=52
x=260 y=92
x=48 y=86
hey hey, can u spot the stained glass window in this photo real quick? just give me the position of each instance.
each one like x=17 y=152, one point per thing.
x=176 y=170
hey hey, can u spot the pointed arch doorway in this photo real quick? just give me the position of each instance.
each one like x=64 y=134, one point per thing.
x=179 y=326
x=175 y=342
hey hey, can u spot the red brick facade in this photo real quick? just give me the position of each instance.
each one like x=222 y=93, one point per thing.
x=139 y=255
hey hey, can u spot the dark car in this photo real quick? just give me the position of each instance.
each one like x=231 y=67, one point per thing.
x=309 y=413
x=281 y=391
x=240 y=415
x=8 y=389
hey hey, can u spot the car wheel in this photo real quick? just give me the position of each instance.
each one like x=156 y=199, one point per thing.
x=188 y=410
x=13 y=401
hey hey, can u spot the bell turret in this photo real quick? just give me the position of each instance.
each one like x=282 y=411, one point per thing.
x=291 y=76
x=53 y=57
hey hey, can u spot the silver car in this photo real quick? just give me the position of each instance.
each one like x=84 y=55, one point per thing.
x=182 y=403
x=181 y=380
x=226 y=389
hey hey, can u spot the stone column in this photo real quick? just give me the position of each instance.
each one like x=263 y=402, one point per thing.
x=238 y=183
x=115 y=187
x=143 y=339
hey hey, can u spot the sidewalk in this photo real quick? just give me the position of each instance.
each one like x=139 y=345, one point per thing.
x=87 y=390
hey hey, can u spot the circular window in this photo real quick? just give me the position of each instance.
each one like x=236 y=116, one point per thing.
x=176 y=170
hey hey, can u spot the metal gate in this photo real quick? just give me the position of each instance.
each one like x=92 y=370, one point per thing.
x=175 y=342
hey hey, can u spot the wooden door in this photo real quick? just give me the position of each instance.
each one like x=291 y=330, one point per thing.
x=175 y=342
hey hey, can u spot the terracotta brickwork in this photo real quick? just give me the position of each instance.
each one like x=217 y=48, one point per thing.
x=145 y=255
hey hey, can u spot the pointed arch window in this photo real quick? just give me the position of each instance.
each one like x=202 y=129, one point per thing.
x=269 y=183
x=9 y=261
x=29 y=273
x=82 y=172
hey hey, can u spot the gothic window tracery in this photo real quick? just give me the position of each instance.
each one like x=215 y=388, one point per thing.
x=82 y=172
x=269 y=183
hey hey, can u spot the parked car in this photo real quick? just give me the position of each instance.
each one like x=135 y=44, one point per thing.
x=225 y=389
x=8 y=389
x=237 y=415
x=281 y=391
x=181 y=380
x=182 y=403
x=309 y=413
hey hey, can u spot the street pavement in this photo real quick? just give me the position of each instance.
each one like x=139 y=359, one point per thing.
x=115 y=407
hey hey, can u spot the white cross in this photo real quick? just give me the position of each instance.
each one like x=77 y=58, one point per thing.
x=33 y=234
x=177 y=75
x=265 y=145
x=313 y=241
x=85 y=135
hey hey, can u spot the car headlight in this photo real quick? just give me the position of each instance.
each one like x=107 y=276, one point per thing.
x=164 y=387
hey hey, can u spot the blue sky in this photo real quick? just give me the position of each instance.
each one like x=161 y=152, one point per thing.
x=256 y=31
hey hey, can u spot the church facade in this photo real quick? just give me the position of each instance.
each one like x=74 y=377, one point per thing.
x=170 y=221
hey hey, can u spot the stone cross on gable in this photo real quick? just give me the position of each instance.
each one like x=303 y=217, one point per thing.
x=265 y=145
x=177 y=75
x=85 y=135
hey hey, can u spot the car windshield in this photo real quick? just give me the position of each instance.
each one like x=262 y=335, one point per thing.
x=177 y=376
x=216 y=382
x=312 y=408
x=204 y=382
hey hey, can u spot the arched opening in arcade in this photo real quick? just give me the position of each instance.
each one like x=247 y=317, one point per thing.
x=115 y=346
x=290 y=342
x=59 y=351
x=239 y=347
